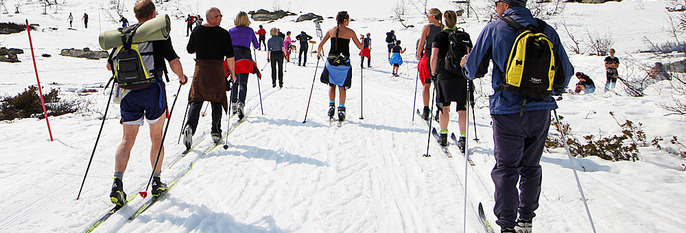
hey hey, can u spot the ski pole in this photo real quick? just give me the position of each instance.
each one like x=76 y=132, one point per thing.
x=311 y=88
x=428 y=140
x=204 y=111
x=466 y=159
x=183 y=122
x=228 y=127
x=164 y=135
x=361 y=94
x=571 y=162
x=258 y=83
x=414 y=100
x=476 y=137
x=97 y=139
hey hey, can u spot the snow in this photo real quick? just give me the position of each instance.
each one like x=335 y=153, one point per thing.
x=280 y=175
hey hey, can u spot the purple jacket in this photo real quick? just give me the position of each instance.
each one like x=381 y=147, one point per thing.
x=243 y=36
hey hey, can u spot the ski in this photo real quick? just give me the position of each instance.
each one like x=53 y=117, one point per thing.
x=152 y=200
x=484 y=222
x=109 y=214
x=454 y=138
x=419 y=113
x=444 y=148
x=185 y=152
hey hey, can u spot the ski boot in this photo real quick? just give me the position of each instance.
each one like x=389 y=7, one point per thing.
x=341 y=113
x=234 y=108
x=332 y=110
x=443 y=139
x=241 y=113
x=117 y=196
x=188 y=137
x=507 y=230
x=523 y=226
x=426 y=113
x=158 y=188
x=216 y=137
x=460 y=144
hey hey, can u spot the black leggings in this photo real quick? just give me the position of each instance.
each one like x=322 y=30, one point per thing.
x=242 y=80
x=277 y=62
x=194 y=114
x=302 y=54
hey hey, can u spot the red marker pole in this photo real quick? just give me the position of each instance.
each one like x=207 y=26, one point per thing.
x=40 y=91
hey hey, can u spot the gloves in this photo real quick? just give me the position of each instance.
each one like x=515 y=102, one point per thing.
x=267 y=59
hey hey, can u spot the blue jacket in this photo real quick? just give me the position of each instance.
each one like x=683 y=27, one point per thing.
x=495 y=42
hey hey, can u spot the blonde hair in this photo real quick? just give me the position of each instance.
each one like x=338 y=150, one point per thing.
x=273 y=31
x=450 y=18
x=436 y=13
x=241 y=20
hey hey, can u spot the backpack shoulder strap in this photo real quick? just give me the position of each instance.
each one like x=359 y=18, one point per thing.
x=513 y=23
x=541 y=25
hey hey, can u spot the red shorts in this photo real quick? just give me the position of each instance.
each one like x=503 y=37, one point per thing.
x=423 y=68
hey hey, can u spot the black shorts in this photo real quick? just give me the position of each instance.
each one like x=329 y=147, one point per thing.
x=453 y=88
x=390 y=47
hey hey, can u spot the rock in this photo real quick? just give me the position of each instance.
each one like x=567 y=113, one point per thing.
x=309 y=16
x=85 y=53
x=264 y=15
x=16 y=51
x=46 y=55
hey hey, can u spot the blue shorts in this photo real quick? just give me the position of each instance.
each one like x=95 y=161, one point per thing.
x=150 y=102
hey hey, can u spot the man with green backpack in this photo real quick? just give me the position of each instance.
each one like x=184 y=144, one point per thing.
x=521 y=104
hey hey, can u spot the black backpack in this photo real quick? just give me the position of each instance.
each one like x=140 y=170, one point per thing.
x=459 y=45
x=389 y=37
x=133 y=64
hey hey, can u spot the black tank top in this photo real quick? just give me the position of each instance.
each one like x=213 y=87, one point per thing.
x=340 y=46
x=433 y=31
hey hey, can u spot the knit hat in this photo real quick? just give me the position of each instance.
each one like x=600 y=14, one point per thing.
x=514 y=2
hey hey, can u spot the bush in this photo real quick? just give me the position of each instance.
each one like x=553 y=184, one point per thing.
x=28 y=104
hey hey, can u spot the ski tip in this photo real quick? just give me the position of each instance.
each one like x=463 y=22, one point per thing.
x=143 y=194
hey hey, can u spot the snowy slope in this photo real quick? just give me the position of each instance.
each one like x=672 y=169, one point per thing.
x=280 y=175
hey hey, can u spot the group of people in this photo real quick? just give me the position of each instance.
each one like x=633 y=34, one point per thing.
x=520 y=127
x=70 y=18
x=192 y=20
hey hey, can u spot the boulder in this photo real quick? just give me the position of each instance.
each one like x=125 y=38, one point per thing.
x=85 y=53
x=264 y=15
x=309 y=16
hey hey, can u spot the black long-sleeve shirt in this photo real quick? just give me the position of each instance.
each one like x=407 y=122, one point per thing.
x=210 y=43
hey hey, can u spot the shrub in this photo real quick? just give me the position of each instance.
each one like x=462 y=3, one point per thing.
x=28 y=104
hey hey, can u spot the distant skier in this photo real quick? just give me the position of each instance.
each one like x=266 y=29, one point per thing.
x=611 y=65
x=149 y=103
x=337 y=70
x=275 y=52
x=71 y=19
x=189 y=23
x=304 y=43
x=85 y=20
x=390 y=41
x=366 y=50
x=124 y=22
x=287 y=42
x=262 y=36
x=396 y=59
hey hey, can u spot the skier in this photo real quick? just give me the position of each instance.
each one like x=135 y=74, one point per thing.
x=262 y=33
x=337 y=71
x=519 y=134
x=189 y=23
x=304 y=40
x=396 y=60
x=429 y=32
x=71 y=19
x=611 y=65
x=390 y=41
x=85 y=19
x=212 y=46
x=124 y=22
x=149 y=103
x=242 y=36
x=366 y=50
x=449 y=86
x=287 y=45
x=275 y=51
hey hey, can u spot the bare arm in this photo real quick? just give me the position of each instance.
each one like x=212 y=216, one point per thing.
x=422 y=41
x=178 y=70
x=356 y=40
x=434 y=61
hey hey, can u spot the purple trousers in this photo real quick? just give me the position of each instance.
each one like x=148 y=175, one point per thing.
x=519 y=142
